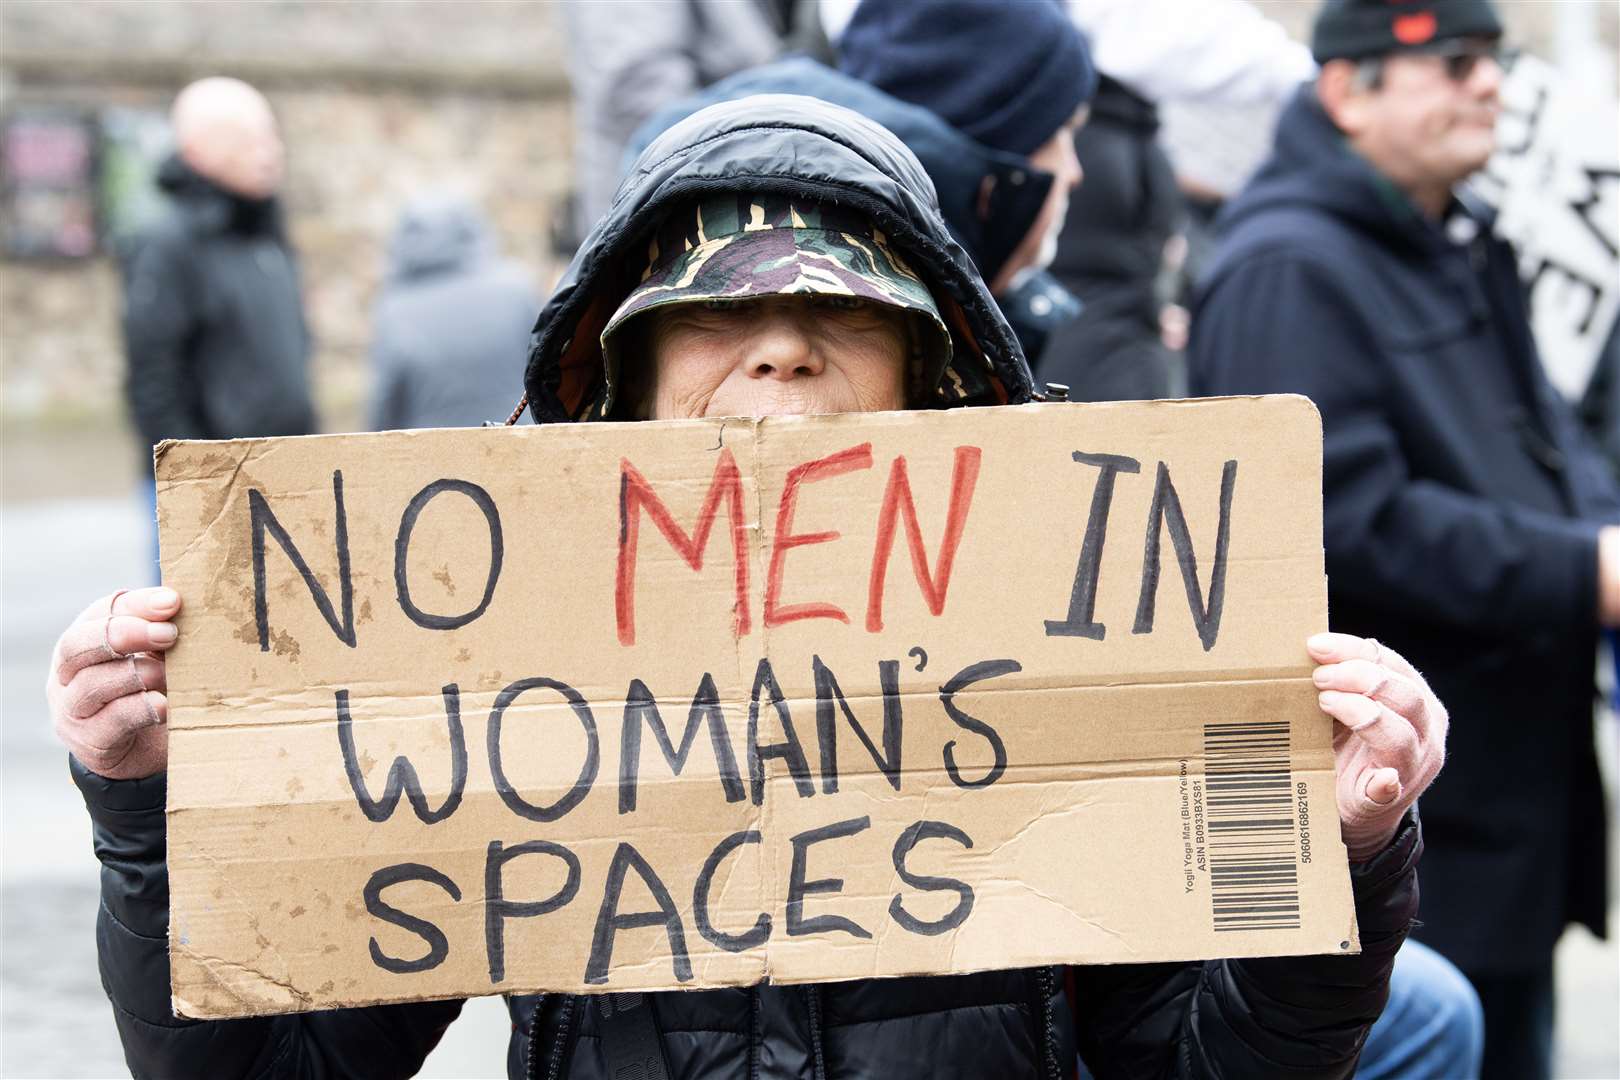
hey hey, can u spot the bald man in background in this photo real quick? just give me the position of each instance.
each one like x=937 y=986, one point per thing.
x=214 y=325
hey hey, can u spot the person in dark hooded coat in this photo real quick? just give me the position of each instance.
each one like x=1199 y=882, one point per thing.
x=214 y=327
x=914 y=326
x=1464 y=512
x=448 y=332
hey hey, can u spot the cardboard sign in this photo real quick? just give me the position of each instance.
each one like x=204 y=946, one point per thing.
x=642 y=706
x=1555 y=183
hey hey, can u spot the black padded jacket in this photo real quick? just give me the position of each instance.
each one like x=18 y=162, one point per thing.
x=214 y=325
x=1301 y=1017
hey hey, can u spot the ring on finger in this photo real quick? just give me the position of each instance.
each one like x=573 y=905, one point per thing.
x=141 y=688
x=106 y=629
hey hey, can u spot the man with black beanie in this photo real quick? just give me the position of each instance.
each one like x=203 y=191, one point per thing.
x=1016 y=80
x=1465 y=515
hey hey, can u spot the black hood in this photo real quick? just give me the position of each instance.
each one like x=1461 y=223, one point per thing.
x=1312 y=164
x=781 y=144
x=213 y=209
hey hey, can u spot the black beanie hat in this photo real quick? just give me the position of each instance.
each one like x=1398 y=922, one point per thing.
x=1007 y=73
x=1355 y=29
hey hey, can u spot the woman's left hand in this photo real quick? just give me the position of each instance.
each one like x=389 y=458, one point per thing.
x=1389 y=735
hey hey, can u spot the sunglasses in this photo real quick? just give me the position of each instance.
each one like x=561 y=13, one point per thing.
x=1462 y=56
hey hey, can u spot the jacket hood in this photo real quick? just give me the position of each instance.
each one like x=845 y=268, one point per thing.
x=1312 y=164
x=781 y=144
x=210 y=207
x=438 y=233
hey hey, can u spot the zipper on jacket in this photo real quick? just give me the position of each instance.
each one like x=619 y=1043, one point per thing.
x=1048 y=990
x=565 y=1028
x=531 y=1056
x=812 y=996
x=531 y=1066
x=756 y=1033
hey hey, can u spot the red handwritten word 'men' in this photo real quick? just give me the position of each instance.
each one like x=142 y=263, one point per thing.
x=897 y=509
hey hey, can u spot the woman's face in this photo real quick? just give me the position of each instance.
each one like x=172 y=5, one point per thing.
x=802 y=354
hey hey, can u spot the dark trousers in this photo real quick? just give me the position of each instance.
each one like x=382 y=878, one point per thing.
x=1518 y=1024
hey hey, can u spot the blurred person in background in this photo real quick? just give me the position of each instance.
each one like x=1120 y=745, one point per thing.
x=995 y=138
x=630 y=58
x=451 y=324
x=1015 y=78
x=1465 y=513
x=214 y=328
x=1112 y=253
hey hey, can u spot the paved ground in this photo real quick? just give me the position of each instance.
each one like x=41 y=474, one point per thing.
x=56 y=556
x=54 y=1020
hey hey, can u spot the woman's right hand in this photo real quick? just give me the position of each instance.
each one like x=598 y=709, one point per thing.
x=106 y=687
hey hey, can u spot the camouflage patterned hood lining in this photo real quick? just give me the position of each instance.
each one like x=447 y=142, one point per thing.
x=734 y=247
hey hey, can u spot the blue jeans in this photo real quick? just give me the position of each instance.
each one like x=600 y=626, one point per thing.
x=1433 y=1027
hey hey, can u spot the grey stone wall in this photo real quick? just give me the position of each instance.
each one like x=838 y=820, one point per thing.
x=378 y=102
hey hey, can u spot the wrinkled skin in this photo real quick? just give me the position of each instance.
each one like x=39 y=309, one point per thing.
x=106 y=689
x=781 y=356
x=794 y=355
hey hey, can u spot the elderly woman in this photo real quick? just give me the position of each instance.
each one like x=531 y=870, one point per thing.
x=770 y=256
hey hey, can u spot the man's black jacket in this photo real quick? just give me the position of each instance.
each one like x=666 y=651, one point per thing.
x=1462 y=507
x=1296 y=1017
x=213 y=319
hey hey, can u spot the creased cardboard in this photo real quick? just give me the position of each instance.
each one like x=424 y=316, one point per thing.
x=645 y=706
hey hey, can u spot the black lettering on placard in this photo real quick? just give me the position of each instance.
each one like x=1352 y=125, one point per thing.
x=402 y=774
x=263 y=520
x=497 y=909
x=587 y=771
x=984 y=669
x=830 y=702
x=916 y=834
x=640 y=706
x=402 y=549
x=610 y=920
x=1166 y=509
x=754 y=935
x=1585 y=206
x=799 y=888
x=1083 y=596
x=789 y=749
x=438 y=945
x=1592 y=289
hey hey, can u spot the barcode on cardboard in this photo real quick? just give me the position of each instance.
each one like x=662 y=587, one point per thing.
x=1253 y=865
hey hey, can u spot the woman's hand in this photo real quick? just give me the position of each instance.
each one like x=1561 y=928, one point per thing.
x=106 y=685
x=1389 y=738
